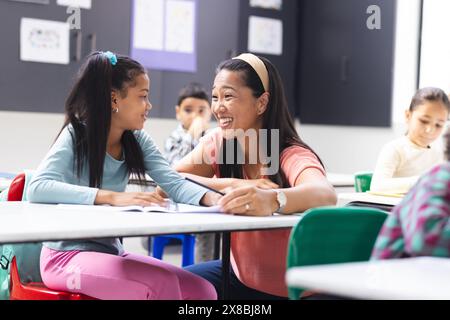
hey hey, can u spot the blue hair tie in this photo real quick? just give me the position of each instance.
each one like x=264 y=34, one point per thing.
x=111 y=56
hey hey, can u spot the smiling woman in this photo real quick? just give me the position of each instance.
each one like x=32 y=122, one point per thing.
x=248 y=97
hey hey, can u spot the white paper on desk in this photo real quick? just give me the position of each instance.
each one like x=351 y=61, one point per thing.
x=179 y=208
x=85 y=4
x=44 y=41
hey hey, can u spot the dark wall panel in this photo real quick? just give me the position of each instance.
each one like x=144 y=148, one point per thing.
x=345 y=69
x=38 y=87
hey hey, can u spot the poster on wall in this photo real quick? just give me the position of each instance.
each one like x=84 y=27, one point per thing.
x=265 y=35
x=33 y=1
x=148 y=28
x=180 y=26
x=267 y=4
x=44 y=41
x=164 y=34
x=84 y=4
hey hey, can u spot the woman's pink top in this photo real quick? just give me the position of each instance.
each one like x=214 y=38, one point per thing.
x=258 y=258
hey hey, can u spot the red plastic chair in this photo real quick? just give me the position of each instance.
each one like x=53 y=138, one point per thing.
x=32 y=291
x=37 y=291
x=15 y=191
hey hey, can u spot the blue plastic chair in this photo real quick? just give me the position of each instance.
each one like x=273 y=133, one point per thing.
x=188 y=243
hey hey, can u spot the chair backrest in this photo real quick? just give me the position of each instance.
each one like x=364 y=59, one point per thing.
x=26 y=254
x=16 y=188
x=362 y=181
x=333 y=235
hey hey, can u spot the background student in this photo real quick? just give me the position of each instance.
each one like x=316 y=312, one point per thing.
x=193 y=111
x=420 y=224
x=248 y=95
x=100 y=145
x=403 y=160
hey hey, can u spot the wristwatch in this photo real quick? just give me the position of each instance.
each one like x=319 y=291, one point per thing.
x=281 y=199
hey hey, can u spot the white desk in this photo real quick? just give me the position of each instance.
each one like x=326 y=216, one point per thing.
x=25 y=222
x=4 y=183
x=341 y=180
x=365 y=198
x=415 y=278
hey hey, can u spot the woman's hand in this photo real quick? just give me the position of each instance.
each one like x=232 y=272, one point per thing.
x=122 y=199
x=258 y=183
x=250 y=201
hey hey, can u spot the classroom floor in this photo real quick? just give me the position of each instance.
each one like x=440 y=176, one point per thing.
x=172 y=253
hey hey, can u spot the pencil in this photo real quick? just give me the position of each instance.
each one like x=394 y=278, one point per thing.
x=206 y=187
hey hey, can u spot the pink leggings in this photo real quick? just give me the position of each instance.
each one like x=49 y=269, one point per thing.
x=127 y=277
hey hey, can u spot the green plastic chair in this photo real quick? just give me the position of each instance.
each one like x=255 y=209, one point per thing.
x=362 y=181
x=333 y=235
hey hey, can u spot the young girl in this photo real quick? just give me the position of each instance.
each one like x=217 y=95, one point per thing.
x=100 y=145
x=419 y=225
x=248 y=96
x=402 y=161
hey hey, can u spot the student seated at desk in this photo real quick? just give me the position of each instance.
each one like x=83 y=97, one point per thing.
x=194 y=114
x=402 y=161
x=248 y=98
x=420 y=224
x=193 y=111
x=100 y=145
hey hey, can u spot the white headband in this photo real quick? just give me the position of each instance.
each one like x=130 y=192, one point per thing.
x=258 y=65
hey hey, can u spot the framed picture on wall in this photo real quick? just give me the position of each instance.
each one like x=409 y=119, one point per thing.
x=33 y=1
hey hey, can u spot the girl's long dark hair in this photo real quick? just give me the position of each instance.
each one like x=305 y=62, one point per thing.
x=277 y=117
x=88 y=110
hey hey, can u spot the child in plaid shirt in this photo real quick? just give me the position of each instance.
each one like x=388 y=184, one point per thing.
x=420 y=224
x=194 y=113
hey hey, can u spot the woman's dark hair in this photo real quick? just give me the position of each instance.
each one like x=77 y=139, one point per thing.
x=192 y=90
x=429 y=94
x=276 y=117
x=88 y=111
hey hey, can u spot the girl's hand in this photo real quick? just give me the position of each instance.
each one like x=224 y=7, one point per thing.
x=121 y=199
x=258 y=183
x=250 y=201
x=161 y=192
x=210 y=199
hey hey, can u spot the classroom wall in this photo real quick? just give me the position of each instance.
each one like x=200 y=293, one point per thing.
x=351 y=149
x=27 y=136
x=213 y=46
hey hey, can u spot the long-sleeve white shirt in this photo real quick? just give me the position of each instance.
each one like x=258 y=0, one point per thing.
x=401 y=163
